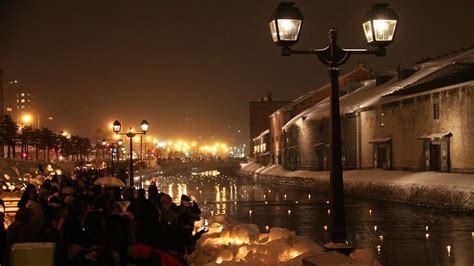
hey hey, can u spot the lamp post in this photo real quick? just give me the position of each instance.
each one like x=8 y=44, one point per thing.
x=114 y=149
x=141 y=152
x=120 y=148
x=114 y=153
x=104 y=146
x=117 y=127
x=146 y=154
x=379 y=26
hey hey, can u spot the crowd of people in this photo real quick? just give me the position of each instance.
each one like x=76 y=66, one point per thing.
x=94 y=225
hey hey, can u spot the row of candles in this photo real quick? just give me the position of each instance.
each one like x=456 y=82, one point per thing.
x=325 y=227
x=381 y=237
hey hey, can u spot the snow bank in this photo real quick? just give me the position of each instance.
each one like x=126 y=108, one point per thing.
x=251 y=167
x=434 y=189
x=230 y=242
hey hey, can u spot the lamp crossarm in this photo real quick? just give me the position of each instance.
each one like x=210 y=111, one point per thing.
x=333 y=55
x=130 y=134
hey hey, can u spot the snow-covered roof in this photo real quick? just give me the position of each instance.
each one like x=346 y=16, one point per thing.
x=262 y=134
x=369 y=94
x=308 y=94
x=398 y=97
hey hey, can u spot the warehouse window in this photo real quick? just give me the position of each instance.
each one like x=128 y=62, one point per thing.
x=435 y=111
x=382 y=120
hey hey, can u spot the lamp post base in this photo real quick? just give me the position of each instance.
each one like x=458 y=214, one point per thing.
x=343 y=248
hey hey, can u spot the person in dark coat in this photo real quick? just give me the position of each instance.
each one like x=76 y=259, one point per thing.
x=30 y=193
x=51 y=233
x=153 y=195
x=3 y=236
x=180 y=239
x=16 y=232
x=118 y=234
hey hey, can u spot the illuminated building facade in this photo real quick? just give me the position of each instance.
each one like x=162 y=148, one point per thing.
x=20 y=104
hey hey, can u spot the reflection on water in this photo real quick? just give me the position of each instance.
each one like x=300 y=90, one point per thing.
x=398 y=234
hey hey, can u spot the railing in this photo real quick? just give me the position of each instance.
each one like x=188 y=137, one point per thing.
x=11 y=204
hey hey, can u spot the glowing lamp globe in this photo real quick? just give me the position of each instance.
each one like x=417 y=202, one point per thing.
x=379 y=25
x=285 y=24
x=144 y=126
x=116 y=126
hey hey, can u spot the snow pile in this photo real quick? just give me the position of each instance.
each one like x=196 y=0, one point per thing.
x=229 y=242
x=434 y=189
x=251 y=167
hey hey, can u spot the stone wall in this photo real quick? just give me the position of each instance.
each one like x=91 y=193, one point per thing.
x=349 y=141
x=406 y=120
x=258 y=117
x=312 y=133
x=415 y=194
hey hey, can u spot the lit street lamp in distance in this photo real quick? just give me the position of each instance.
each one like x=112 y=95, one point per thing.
x=117 y=127
x=26 y=119
x=114 y=152
x=65 y=134
x=379 y=26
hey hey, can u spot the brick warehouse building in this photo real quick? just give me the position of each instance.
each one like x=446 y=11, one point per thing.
x=417 y=120
x=426 y=124
x=258 y=116
x=261 y=145
x=279 y=118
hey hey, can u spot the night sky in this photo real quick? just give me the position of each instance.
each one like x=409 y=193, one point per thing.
x=190 y=67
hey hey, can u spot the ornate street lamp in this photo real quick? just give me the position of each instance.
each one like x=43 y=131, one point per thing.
x=144 y=126
x=379 y=27
x=380 y=24
x=285 y=24
x=116 y=127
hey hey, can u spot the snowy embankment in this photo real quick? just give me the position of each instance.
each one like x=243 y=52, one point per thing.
x=433 y=189
x=230 y=242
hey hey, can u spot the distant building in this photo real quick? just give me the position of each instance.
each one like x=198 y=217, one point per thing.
x=261 y=146
x=238 y=152
x=20 y=104
x=259 y=111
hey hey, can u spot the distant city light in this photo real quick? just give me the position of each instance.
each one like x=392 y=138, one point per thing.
x=26 y=118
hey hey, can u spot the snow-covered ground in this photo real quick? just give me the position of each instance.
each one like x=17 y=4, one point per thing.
x=436 y=189
x=230 y=242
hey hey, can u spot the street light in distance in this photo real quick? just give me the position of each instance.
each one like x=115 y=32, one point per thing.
x=117 y=127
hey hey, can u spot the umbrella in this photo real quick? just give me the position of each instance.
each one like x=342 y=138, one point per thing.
x=109 y=181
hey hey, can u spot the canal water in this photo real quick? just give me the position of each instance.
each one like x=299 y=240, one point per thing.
x=398 y=234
